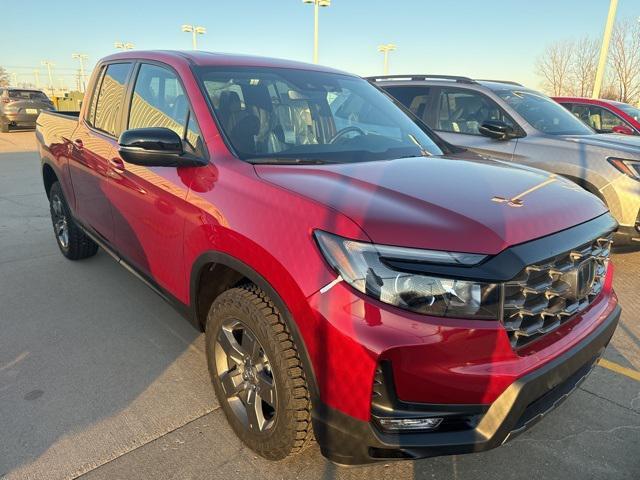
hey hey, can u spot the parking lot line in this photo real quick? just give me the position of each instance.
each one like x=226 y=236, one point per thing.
x=628 y=372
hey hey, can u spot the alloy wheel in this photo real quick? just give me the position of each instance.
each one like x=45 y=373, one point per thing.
x=246 y=377
x=60 y=223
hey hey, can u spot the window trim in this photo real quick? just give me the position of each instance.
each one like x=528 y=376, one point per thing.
x=519 y=131
x=103 y=71
x=129 y=99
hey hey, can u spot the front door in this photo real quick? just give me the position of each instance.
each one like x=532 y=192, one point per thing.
x=457 y=116
x=150 y=202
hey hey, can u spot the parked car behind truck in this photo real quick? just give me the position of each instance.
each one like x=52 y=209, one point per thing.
x=508 y=121
x=20 y=107
x=314 y=231
x=604 y=116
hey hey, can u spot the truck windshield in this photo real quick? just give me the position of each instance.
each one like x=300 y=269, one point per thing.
x=543 y=113
x=272 y=114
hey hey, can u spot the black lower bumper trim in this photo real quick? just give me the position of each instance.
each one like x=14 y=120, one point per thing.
x=348 y=441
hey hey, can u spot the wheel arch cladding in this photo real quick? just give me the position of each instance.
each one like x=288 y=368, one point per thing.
x=215 y=272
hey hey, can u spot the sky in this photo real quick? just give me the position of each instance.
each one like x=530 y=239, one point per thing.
x=496 y=39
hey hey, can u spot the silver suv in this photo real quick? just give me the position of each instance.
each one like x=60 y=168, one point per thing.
x=508 y=121
x=20 y=107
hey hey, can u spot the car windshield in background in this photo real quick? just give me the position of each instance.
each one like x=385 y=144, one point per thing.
x=629 y=110
x=27 y=95
x=543 y=113
x=279 y=114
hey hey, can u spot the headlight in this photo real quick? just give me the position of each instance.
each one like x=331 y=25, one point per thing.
x=362 y=265
x=631 y=168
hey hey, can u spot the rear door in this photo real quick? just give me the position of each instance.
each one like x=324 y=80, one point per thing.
x=150 y=202
x=92 y=148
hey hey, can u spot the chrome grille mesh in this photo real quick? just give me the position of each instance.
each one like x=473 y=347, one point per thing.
x=545 y=295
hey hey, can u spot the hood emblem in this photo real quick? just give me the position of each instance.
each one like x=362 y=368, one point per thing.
x=516 y=201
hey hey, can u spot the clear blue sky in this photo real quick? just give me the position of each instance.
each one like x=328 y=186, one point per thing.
x=482 y=39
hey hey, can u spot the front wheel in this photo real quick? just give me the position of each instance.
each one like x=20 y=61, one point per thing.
x=72 y=241
x=257 y=374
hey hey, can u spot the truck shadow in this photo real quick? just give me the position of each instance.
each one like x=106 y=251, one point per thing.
x=92 y=362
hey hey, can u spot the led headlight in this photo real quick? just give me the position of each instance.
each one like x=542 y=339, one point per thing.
x=630 y=168
x=362 y=265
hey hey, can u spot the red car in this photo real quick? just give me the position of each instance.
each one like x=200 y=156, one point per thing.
x=357 y=277
x=604 y=116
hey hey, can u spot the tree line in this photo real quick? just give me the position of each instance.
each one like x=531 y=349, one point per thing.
x=568 y=67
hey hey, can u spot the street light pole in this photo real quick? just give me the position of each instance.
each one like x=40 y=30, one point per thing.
x=36 y=74
x=316 y=9
x=81 y=57
x=49 y=64
x=604 y=50
x=195 y=30
x=385 y=49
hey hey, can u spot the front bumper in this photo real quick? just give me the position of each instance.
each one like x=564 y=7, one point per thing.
x=346 y=440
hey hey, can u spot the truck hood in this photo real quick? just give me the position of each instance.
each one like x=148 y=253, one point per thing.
x=456 y=203
x=610 y=141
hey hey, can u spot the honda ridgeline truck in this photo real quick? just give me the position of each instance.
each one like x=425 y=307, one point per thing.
x=358 y=279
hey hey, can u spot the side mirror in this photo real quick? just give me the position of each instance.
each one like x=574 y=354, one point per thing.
x=497 y=130
x=623 y=129
x=155 y=147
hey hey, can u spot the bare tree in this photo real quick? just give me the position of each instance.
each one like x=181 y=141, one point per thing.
x=624 y=59
x=4 y=77
x=554 y=66
x=583 y=65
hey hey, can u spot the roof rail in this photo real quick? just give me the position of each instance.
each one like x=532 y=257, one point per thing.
x=454 y=78
x=509 y=82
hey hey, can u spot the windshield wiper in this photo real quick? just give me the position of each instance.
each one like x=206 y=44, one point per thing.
x=287 y=161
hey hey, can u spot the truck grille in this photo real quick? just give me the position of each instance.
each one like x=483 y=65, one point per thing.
x=547 y=294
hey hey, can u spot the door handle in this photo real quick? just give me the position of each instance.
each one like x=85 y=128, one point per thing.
x=78 y=144
x=116 y=164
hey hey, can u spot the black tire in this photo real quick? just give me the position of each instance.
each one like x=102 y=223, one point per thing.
x=4 y=127
x=289 y=430
x=74 y=244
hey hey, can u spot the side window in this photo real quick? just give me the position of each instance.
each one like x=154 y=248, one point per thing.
x=581 y=112
x=602 y=120
x=415 y=99
x=158 y=100
x=110 y=98
x=90 y=115
x=463 y=111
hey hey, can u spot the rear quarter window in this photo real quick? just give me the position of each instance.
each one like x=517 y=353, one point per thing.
x=110 y=98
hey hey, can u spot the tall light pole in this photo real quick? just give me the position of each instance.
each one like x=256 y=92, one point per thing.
x=604 y=50
x=194 y=30
x=14 y=75
x=81 y=57
x=385 y=49
x=123 y=45
x=49 y=64
x=316 y=8
x=36 y=74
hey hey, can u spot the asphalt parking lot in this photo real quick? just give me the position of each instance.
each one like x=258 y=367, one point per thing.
x=100 y=379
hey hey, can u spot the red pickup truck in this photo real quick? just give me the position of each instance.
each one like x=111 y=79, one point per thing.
x=358 y=278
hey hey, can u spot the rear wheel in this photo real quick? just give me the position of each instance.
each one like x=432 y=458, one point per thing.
x=257 y=373
x=4 y=126
x=72 y=241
